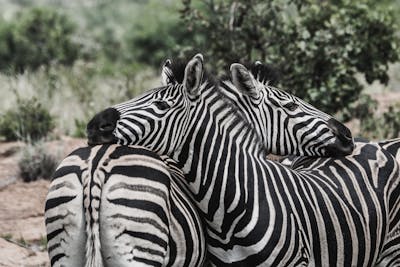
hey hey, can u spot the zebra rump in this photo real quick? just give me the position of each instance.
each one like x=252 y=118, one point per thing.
x=116 y=205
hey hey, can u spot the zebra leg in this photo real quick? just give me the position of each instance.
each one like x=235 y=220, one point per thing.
x=65 y=222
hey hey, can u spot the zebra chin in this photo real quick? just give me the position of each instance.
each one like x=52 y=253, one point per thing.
x=102 y=140
x=339 y=148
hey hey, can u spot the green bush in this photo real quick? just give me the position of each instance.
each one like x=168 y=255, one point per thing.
x=36 y=163
x=385 y=126
x=38 y=37
x=372 y=125
x=318 y=46
x=30 y=121
x=391 y=122
x=157 y=34
x=362 y=109
x=80 y=128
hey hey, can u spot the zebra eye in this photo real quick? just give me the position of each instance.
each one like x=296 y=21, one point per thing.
x=161 y=105
x=291 y=106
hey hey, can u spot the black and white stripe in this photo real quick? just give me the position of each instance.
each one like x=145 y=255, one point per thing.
x=392 y=146
x=116 y=205
x=259 y=212
x=286 y=124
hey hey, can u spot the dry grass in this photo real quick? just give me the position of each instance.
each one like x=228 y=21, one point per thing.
x=73 y=93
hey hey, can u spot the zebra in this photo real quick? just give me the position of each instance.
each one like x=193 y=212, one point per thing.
x=257 y=212
x=250 y=83
x=301 y=128
x=113 y=205
x=256 y=107
x=250 y=92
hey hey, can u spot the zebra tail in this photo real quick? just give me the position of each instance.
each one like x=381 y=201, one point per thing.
x=92 y=195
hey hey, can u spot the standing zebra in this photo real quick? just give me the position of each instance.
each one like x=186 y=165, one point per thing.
x=250 y=92
x=286 y=124
x=257 y=212
x=248 y=84
x=116 y=205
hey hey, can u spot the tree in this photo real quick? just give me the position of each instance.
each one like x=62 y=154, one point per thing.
x=35 y=38
x=317 y=46
x=157 y=34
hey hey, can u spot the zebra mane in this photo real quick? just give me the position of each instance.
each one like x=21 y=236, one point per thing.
x=178 y=66
x=264 y=73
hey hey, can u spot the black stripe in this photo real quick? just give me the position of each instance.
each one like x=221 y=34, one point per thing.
x=53 y=234
x=54 y=202
x=142 y=205
x=150 y=221
x=55 y=218
x=147 y=262
x=145 y=236
x=150 y=251
x=56 y=258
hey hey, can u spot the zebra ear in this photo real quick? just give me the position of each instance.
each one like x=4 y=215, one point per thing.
x=167 y=76
x=193 y=74
x=244 y=80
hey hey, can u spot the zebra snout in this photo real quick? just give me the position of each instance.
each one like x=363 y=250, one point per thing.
x=344 y=143
x=101 y=127
x=340 y=130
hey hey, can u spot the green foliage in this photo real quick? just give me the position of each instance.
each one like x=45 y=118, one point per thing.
x=157 y=34
x=385 y=126
x=36 y=163
x=35 y=38
x=80 y=128
x=318 y=46
x=391 y=122
x=362 y=109
x=373 y=125
x=30 y=121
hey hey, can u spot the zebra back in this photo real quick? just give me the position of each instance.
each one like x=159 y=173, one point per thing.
x=258 y=212
x=392 y=146
x=133 y=210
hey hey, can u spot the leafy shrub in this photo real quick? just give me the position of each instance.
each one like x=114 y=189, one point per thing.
x=318 y=46
x=372 y=125
x=391 y=122
x=80 y=128
x=362 y=109
x=36 y=163
x=35 y=38
x=30 y=121
x=157 y=34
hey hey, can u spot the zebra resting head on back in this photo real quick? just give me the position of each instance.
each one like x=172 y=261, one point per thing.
x=121 y=206
x=256 y=211
x=377 y=162
x=287 y=124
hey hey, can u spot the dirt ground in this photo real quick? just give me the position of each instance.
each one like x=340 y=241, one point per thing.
x=22 y=230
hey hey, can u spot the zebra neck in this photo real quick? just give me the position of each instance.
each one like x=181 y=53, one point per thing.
x=214 y=149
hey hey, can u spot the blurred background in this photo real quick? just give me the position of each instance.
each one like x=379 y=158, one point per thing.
x=63 y=61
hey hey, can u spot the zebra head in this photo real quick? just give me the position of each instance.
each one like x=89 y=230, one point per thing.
x=157 y=115
x=286 y=124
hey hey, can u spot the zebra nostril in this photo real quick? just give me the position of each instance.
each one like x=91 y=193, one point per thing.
x=340 y=129
x=106 y=127
x=347 y=135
